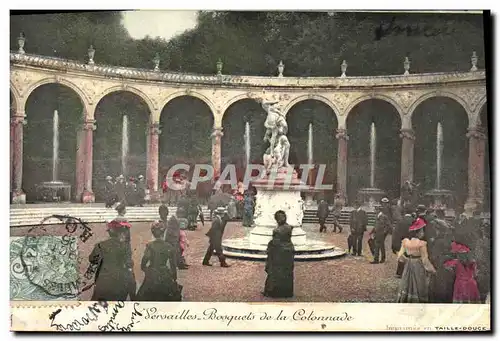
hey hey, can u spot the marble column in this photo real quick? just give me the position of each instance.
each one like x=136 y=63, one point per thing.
x=88 y=132
x=342 y=138
x=80 y=164
x=17 y=123
x=152 y=167
x=408 y=144
x=216 y=150
x=477 y=147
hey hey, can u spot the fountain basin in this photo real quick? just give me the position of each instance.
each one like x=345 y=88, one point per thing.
x=53 y=191
x=370 y=197
x=274 y=195
x=440 y=198
x=311 y=250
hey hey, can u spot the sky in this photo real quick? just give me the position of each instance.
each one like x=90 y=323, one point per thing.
x=164 y=24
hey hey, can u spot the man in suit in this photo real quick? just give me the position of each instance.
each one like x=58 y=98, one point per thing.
x=323 y=211
x=215 y=238
x=401 y=232
x=379 y=232
x=358 y=222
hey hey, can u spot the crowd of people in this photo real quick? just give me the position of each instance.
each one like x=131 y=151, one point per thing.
x=438 y=261
x=131 y=193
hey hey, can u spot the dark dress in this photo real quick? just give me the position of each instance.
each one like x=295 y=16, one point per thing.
x=160 y=271
x=110 y=195
x=441 y=283
x=172 y=238
x=111 y=259
x=280 y=263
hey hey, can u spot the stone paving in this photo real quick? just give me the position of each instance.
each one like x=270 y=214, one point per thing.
x=347 y=279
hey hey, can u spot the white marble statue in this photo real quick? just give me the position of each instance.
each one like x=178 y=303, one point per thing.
x=276 y=130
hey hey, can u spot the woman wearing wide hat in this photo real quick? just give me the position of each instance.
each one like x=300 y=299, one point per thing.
x=413 y=287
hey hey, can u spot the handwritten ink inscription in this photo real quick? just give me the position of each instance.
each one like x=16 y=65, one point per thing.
x=392 y=28
x=116 y=317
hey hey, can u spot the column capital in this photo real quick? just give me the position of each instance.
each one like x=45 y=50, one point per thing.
x=476 y=133
x=18 y=119
x=154 y=128
x=408 y=134
x=89 y=125
x=342 y=134
x=217 y=132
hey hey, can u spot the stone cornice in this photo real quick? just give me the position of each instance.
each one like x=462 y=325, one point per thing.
x=391 y=81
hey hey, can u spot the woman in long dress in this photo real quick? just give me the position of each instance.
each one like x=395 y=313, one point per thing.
x=280 y=260
x=110 y=259
x=413 y=287
x=158 y=264
x=465 y=289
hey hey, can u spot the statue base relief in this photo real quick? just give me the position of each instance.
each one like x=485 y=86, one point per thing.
x=18 y=197
x=279 y=190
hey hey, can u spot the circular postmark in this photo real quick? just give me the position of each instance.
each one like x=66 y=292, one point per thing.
x=51 y=262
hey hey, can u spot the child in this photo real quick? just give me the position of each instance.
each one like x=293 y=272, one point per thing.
x=465 y=288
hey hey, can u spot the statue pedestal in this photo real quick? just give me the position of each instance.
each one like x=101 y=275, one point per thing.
x=18 y=197
x=440 y=198
x=370 y=197
x=279 y=191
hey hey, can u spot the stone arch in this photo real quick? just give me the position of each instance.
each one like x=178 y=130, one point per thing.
x=312 y=97
x=60 y=81
x=384 y=98
x=191 y=93
x=16 y=97
x=231 y=101
x=446 y=114
x=131 y=89
x=477 y=116
x=241 y=110
x=367 y=112
x=438 y=93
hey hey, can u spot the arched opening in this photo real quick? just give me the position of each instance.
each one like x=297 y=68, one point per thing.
x=454 y=121
x=312 y=121
x=120 y=142
x=186 y=124
x=240 y=115
x=39 y=148
x=487 y=168
x=387 y=147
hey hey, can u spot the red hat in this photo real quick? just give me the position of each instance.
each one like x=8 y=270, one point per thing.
x=418 y=224
x=118 y=224
x=459 y=248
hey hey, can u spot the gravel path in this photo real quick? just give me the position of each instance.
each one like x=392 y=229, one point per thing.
x=346 y=279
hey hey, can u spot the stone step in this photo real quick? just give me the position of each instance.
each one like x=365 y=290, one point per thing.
x=299 y=257
x=27 y=216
